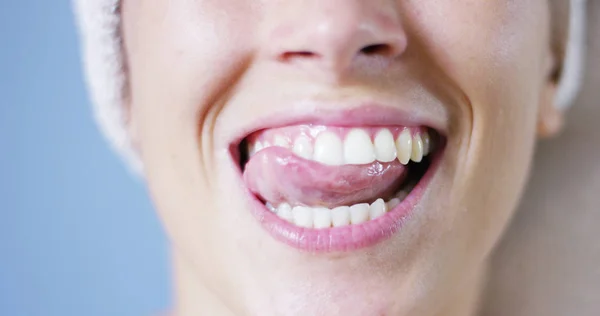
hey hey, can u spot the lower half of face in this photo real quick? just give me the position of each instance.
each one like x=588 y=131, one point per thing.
x=340 y=157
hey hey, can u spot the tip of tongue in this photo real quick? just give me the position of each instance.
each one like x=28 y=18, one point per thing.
x=277 y=175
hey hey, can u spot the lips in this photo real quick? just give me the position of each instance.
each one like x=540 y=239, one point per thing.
x=321 y=187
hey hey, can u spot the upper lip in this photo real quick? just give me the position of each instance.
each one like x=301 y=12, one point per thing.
x=342 y=114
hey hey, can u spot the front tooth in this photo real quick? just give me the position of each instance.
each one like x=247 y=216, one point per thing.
x=258 y=146
x=281 y=141
x=329 y=149
x=303 y=216
x=377 y=209
x=385 y=149
x=340 y=216
x=426 y=143
x=404 y=146
x=393 y=203
x=303 y=147
x=358 y=148
x=285 y=211
x=359 y=213
x=417 y=148
x=321 y=217
x=266 y=144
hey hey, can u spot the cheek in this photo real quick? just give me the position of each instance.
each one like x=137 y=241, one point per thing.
x=504 y=90
x=185 y=52
x=182 y=56
x=492 y=50
x=495 y=54
x=499 y=67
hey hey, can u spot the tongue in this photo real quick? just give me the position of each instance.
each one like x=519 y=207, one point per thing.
x=277 y=175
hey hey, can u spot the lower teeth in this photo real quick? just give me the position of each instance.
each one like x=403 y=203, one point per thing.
x=322 y=217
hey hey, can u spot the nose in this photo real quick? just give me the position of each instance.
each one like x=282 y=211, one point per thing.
x=331 y=35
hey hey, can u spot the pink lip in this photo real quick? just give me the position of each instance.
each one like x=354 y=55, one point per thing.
x=352 y=237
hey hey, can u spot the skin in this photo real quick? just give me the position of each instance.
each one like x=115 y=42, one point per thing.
x=200 y=71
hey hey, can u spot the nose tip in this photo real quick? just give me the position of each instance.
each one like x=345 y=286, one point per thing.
x=332 y=34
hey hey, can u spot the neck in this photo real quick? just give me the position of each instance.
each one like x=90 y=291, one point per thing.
x=192 y=298
x=466 y=299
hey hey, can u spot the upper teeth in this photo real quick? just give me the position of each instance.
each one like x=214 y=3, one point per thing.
x=358 y=147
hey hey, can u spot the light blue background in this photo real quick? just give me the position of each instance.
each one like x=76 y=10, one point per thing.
x=77 y=233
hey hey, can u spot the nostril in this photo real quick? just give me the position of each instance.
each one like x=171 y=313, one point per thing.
x=377 y=49
x=289 y=56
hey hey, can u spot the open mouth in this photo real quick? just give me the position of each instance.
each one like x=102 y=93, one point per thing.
x=329 y=188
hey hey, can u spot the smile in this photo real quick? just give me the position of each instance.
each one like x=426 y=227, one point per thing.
x=338 y=186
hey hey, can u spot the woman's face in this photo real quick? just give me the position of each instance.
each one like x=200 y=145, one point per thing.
x=346 y=92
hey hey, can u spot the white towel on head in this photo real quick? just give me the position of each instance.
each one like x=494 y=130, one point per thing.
x=99 y=26
x=572 y=75
x=99 y=23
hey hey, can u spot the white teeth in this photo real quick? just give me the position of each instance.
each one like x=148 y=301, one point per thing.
x=385 y=149
x=303 y=147
x=329 y=149
x=322 y=217
x=417 y=148
x=358 y=148
x=377 y=209
x=285 y=211
x=340 y=216
x=258 y=146
x=404 y=146
x=303 y=216
x=281 y=141
x=359 y=213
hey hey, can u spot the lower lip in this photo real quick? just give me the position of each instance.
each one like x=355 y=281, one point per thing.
x=346 y=238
